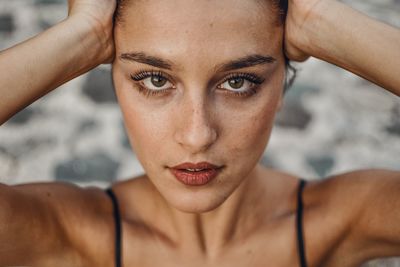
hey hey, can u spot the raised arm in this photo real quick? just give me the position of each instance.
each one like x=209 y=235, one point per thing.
x=334 y=32
x=74 y=46
x=37 y=220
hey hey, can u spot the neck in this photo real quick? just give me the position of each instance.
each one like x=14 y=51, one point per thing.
x=208 y=233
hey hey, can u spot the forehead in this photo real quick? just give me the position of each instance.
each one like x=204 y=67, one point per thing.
x=218 y=29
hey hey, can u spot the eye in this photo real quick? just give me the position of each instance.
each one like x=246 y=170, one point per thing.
x=242 y=84
x=156 y=82
x=152 y=82
x=236 y=84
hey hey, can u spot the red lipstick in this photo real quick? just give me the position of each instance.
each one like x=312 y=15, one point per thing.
x=195 y=173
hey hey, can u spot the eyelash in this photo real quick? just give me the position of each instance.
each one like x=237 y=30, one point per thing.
x=141 y=75
x=254 y=79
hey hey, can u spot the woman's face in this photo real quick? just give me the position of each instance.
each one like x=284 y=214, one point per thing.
x=198 y=81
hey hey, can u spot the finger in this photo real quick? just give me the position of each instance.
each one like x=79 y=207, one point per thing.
x=70 y=5
x=295 y=54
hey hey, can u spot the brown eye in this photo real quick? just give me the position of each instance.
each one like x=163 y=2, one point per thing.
x=236 y=83
x=158 y=81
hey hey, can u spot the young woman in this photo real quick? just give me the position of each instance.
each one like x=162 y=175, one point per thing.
x=199 y=84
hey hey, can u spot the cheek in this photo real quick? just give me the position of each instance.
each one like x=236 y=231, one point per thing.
x=247 y=129
x=147 y=127
x=147 y=131
x=247 y=134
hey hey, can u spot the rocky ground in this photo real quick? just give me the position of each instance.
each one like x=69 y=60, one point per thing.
x=331 y=122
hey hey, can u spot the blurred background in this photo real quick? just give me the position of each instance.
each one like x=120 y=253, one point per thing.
x=332 y=121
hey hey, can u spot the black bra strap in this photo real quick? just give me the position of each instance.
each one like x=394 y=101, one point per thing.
x=118 y=228
x=299 y=224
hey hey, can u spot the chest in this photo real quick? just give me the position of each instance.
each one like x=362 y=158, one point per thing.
x=276 y=245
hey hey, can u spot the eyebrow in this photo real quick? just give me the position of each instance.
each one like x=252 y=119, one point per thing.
x=146 y=59
x=244 y=62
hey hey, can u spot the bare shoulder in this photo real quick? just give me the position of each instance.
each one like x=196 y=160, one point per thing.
x=351 y=190
x=350 y=210
x=87 y=218
x=60 y=218
x=364 y=178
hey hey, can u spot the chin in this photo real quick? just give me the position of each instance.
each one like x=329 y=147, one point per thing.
x=196 y=208
x=196 y=202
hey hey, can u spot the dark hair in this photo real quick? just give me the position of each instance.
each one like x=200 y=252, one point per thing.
x=291 y=72
x=282 y=7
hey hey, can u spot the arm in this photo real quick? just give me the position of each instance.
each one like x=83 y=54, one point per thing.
x=67 y=50
x=371 y=200
x=334 y=32
x=38 y=222
x=378 y=224
x=54 y=224
x=28 y=229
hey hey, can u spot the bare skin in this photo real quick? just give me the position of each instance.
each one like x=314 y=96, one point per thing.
x=244 y=218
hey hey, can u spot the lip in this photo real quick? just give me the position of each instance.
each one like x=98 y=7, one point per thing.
x=205 y=173
x=200 y=165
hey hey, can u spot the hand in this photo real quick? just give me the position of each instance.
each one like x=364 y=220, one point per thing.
x=297 y=26
x=98 y=15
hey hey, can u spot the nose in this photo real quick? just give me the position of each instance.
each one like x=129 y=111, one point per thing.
x=195 y=131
